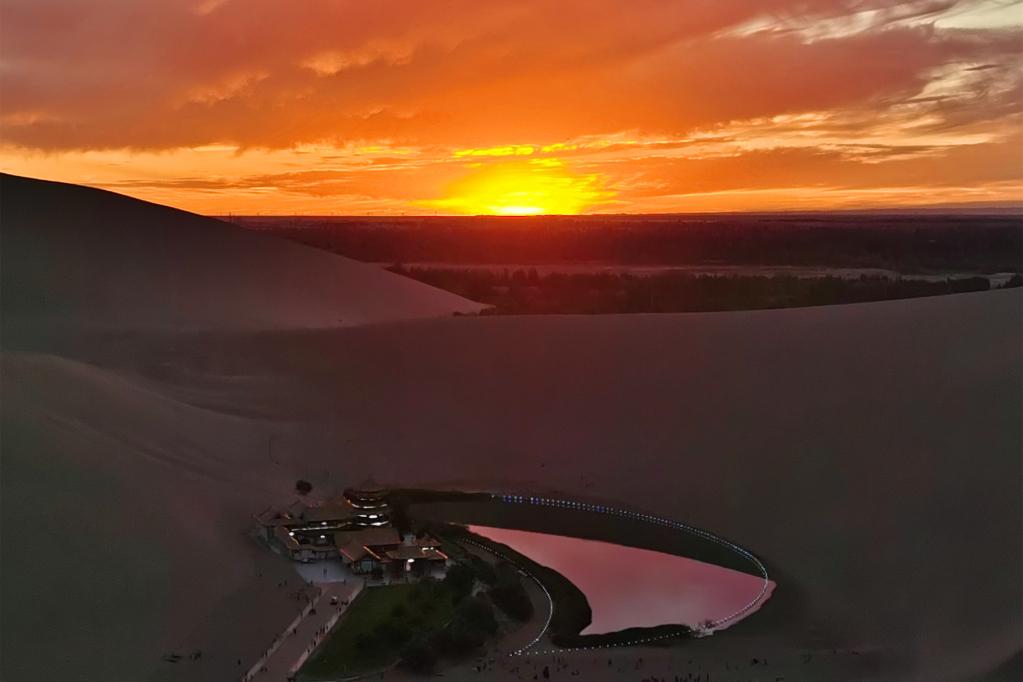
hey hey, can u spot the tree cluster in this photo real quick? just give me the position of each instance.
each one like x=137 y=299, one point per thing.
x=523 y=292
x=907 y=242
x=509 y=594
x=470 y=626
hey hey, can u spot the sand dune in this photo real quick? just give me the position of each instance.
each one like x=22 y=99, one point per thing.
x=75 y=257
x=869 y=453
x=123 y=519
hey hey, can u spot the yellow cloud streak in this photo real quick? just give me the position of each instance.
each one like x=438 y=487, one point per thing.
x=506 y=150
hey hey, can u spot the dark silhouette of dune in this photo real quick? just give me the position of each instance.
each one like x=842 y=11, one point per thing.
x=76 y=257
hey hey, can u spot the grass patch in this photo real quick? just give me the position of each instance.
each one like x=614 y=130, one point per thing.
x=377 y=626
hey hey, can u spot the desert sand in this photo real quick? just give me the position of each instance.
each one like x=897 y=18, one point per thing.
x=82 y=258
x=870 y=454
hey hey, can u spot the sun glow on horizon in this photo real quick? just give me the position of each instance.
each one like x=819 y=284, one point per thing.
x=535 y=187
x=512 y=108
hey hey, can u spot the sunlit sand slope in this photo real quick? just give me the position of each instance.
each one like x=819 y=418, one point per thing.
x=77 y=257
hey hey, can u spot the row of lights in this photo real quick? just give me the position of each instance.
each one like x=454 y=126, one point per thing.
x=656 y=520
x=577 y=649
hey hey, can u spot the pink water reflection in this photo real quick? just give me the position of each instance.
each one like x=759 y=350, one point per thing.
x=629 y=587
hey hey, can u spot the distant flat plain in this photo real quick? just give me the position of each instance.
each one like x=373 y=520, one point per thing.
x=908 y=243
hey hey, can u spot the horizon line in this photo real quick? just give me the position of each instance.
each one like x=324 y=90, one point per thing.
x=995 y=209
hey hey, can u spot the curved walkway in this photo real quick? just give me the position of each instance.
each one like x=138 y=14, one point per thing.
x=561 y=503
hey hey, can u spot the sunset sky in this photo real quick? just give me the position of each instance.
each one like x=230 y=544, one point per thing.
x=531 y=106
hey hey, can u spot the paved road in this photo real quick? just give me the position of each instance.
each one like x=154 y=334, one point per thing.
x=300 y=641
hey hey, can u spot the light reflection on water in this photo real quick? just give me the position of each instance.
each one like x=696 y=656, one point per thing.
x=629 y=587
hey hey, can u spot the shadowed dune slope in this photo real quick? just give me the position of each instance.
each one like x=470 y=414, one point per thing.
x=76 y=257
x=124 y=516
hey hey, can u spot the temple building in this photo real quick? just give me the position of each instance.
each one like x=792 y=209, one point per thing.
x=356 y=529
x=383 y=552
x=369 y=507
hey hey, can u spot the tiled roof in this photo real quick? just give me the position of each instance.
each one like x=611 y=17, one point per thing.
x=372 y=537
x=406 y=552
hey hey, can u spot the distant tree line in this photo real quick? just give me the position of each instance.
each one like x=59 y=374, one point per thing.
x=909 y=243
x=525 y=292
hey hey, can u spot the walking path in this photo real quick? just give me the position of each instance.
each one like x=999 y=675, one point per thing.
x=302 y=637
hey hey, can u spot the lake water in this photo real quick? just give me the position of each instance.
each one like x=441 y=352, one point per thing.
x=629 y=587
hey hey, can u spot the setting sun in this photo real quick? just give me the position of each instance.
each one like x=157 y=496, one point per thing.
x=297 y=295
x=534 y=187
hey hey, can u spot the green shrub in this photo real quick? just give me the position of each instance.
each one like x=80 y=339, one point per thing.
x=477 y=614
x=392 y=632
x=482 y=570
x=513 y=600
x=460 y=579
x=366 y=641
x=509 y=594
x=419 y=657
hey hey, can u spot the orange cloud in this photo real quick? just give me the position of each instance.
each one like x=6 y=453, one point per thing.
x=386 y=101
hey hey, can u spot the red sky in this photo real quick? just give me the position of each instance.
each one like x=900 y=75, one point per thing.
x=472 y=106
